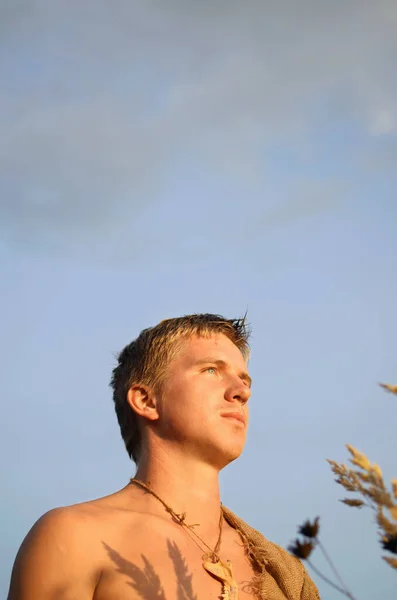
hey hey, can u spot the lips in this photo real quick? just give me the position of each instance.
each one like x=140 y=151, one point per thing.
x=235 y=415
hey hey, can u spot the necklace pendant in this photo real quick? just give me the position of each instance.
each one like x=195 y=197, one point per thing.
x=224 y=573
x=229 y=593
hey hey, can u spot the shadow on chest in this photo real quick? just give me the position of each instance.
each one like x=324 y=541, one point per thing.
x=174 y=573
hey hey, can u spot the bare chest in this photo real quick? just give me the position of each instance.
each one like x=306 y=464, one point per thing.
x=169 y=568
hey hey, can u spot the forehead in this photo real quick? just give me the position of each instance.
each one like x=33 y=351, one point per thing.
x=217 y=346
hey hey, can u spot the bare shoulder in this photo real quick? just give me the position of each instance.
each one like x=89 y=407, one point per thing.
x=83 y=551
x=57 y=558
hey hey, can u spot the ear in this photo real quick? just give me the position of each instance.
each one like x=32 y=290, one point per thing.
x=142 y=400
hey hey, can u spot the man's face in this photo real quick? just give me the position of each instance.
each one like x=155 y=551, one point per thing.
x=206 y=382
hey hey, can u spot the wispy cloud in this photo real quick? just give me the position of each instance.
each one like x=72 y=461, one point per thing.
x=103 y=100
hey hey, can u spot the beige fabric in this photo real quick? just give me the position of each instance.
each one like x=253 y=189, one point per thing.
x=281 y=576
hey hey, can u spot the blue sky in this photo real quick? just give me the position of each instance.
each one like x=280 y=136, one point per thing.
x=159 y=159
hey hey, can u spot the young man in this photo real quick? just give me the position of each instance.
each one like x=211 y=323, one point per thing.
x=181 y=392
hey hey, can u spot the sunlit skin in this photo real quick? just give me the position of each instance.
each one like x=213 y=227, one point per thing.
x=97 y=550
x=187 y=441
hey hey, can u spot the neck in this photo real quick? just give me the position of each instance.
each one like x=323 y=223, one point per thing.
x=186 y=486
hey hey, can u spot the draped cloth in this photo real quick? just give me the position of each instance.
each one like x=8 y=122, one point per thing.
x=278 y=574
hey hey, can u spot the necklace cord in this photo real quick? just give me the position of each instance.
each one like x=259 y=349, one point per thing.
x=181 y=519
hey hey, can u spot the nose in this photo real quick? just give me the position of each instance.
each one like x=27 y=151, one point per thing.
x=238 y=390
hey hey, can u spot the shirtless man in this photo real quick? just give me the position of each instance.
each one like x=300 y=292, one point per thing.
x=181 y=392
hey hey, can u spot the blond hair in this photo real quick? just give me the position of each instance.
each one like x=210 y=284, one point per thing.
x=145 y=361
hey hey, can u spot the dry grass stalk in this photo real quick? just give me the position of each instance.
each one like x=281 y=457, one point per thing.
x=368 y=482
x=303 y=548
x=389 y=388
x=391 y=561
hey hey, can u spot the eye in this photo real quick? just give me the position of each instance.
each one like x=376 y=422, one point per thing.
x=210 y=369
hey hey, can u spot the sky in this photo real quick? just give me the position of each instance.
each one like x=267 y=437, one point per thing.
x=166 y=158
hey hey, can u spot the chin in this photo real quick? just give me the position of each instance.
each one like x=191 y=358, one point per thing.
x=220 y=452
x=228 y=455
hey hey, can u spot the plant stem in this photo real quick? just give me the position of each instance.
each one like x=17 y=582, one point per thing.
x=331 y=564
x=331 y=583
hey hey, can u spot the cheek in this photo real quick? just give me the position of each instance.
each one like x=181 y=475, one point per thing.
x=189 y=403
x=188 y=415
x=176 y=403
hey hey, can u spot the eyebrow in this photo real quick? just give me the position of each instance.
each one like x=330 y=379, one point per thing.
x=221 y=363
